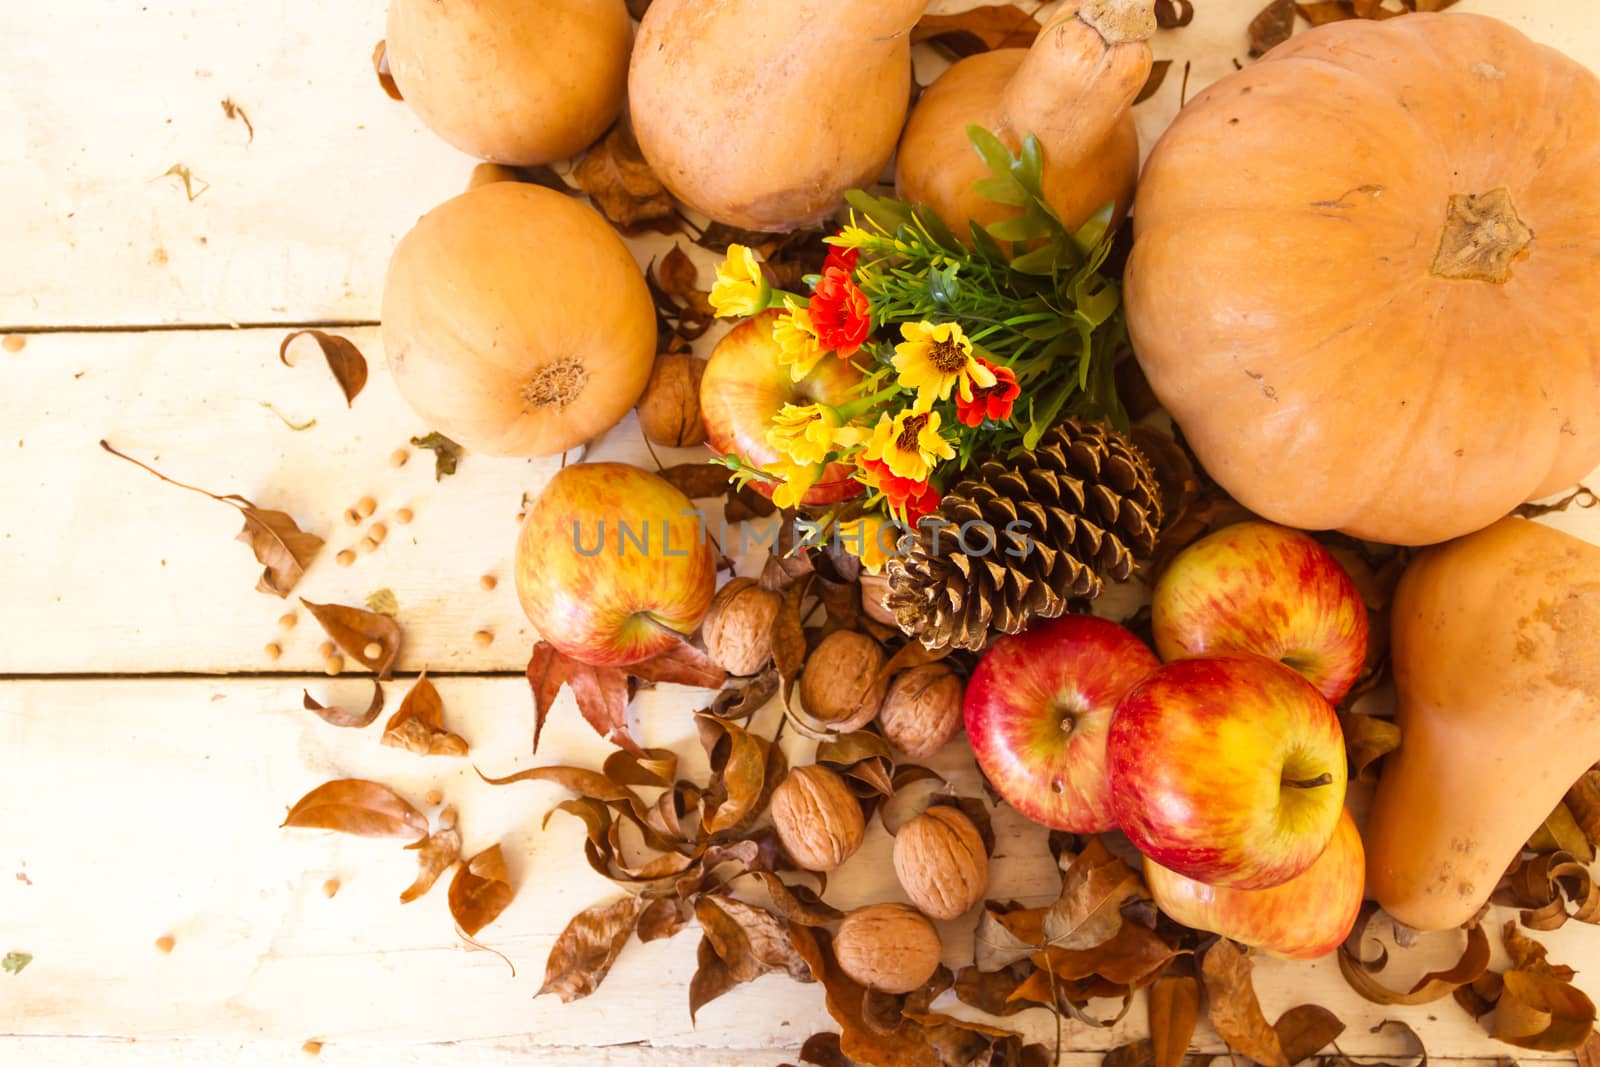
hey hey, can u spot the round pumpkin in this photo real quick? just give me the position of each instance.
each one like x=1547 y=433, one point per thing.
x=516 y=322
x=1364 y=276
x=520 y=82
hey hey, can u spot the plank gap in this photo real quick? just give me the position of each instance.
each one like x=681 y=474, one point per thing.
x=195 y=327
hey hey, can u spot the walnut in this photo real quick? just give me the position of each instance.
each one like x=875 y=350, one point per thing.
x=817 y=818
x=874 y=588
x=922 y=710
x=669 y=410
x=887 y=947
x=941 y=862
x=738 y=626
x=843 y=682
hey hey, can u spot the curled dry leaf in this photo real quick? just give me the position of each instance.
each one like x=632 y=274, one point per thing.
x=681 y=664
x=434 y=856
x=586 y=949
x=1153 y=82
x=992 y=991
x=1367 y=739
x=1234 y=1010
x=354 y=629
x=1093 y=890
x=349 y=719
x=279 y=544
x=1272 y=26
x=480 y=890
x=1583 y=800
x=344 y=359
x=1132 y=957
x=699 y=481
x=1545 y=885
x=741 y=702
x=1174 y=14
x=419 y=724
x=1007 y=935
x=750 y=940
x=602 y=694
x=1560 y=832
x=980 y=29
x=616 y=177
x=1174 y=1007
x=1360 y=974
x=903 y=1044
x=446 y=453
x=797 y=904
x=741 y=779
x=661 y=918
x=711 y=978
x=1306 y=1030
x=653 y=768
x=1539 y=1007
x=380 y=67
x=360 y=807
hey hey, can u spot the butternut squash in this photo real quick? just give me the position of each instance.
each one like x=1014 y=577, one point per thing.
x=1074 y=90
x=762 y=113
x=1496 y=651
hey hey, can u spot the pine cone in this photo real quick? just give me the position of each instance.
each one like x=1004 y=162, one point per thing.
x=1082 y=507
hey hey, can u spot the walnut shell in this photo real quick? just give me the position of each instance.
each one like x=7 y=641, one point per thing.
x=941 y=862
x=817 y=818
x=843 y=684
x=922 y=710
x=887 y=947
x=669 y=410
x=738 y=626
x=874 y=589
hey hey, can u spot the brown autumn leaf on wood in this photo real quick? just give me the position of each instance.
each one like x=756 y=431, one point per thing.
x=789 y=646
x=654 y=768
x=1367 y=739
x=1235 y=1012
x=480 y=890
x=1359 y=974
x=349 y=719
x=446 y=453
x=279 y=544
x=1583 y=800
x=579 y=780
x=1543 y=1012
x=434 y=855
x=1132 y=957
x=1152 y=83
x=1544 y=885
x=797 y=904
x=355 y=629
x=586 y=949
x=678 y=276
x=360 y=807
x=698 y=481
x=380 y=67
x=682 y=663
x=1271 y=27
x=1007 y=935
x=1093 y=891
x=616 y=177
x=1306 y=1030
x=740 y=776
x=711 y=978
x=751 y=941
x=743 y=701
x=1560 y=832
x=1174 y=14
x=1134 y=1054
x=1174 y=1008
x=602 y=694
x=980 y=29
x=419 y=724
x=902 y=1044
x=344 y=359
x=1325 y=11
x=992 y=991
x=661 y=918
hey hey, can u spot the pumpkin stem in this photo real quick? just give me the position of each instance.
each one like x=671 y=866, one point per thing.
x=1482 y=237
x=556 y=384
x=1120 y=21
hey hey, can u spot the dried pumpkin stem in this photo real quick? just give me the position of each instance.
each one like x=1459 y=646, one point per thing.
x=556 y=384
x=1482 y=237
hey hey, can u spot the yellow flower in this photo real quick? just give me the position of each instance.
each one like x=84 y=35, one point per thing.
x=909 y=443
x=803 y=434
x=740 y=289
x=798 y=478
x=935 y=359
x=852 y=236
x=797 y=339
x=872 y=539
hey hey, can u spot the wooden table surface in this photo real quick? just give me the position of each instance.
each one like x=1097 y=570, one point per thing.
x=148 y=747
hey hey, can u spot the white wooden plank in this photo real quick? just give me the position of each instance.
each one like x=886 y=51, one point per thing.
x=98 y=101
x=144 y=808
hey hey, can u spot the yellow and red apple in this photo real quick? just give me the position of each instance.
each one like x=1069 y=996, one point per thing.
x=1227 y=769
x=1037 y=710
x=744 y=386
x=1276 y=592
x=612 y=566
x=1308 y=916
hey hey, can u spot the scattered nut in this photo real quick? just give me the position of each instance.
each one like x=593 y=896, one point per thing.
x=669 y=410
x=399 y=457
x=484 y=638
x=888 y=948
x=488 y=582
x=403 y=516
x=326 y=649
x=843 y=683
x=366 y=506
x=941 y=862
x=922 y=710
x=352 y=517
x=166 y=943
x=333 y=664
x=345 y=557
x=378 y=532
x=372 y=651
x=817 y=818
x=330 y=888
x=273 y=650
x=312 y=1048
x=738 y=626
x=287 y=621
x=433 y=797
x=369 y=544
x=14 y=342
x=447 y=818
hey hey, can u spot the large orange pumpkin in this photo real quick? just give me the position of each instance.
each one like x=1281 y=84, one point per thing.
x=1366 y=273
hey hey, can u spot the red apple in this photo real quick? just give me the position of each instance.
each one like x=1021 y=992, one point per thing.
x=612 y=567
x=1227 y=769
x=1256 y=587
x=1037 y=709
x=744 y=385
x=1304 y=918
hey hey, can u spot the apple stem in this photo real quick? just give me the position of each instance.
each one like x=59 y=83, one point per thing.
x=1309 y=783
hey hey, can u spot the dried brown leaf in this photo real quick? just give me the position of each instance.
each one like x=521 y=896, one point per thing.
x=822 y=1050
x=797 y=904
x=1560 y=832
x=1093 y=891
x=434 y=856
x=661 y=918
x=1434 y=986
x=357 y=806
x=380 y=67
x=233 y=111
x=349 y=719
x=1306 y=1030
x=1583 y=800
x=751 y=941
x=616 y=177
x=903 y=1044
x=1235 y=1012
x=1174 y=14
x=279 y=544
x=353 y=629
x=711 y=978
x=654 y=768
x=1543 y=1012
x=480 y=890
x=1134 y=1054
x=1272 y=26
x=980 y=29
x=681 y=664
x=344 y=359
x=739 y=768
x=1152 y=84
x=419 y=724
x=1132 y=957
x=699 y=481
x=1001 y=940
x=446 y=453
x=743 y=701
x=789 y=647
x=992 y=991
x=1367 y=739
x=547 y=673
x=1174 y=1006
x=586 y=949
x=1325 y=11
x=579 y=780
x=1545 y=884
